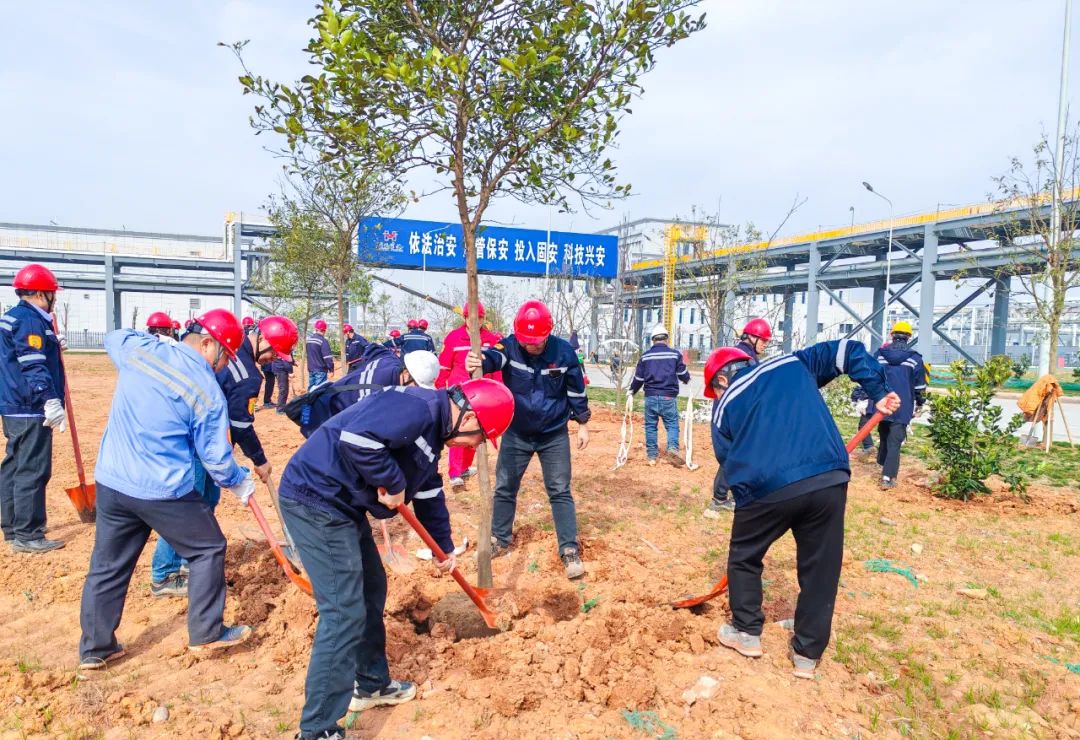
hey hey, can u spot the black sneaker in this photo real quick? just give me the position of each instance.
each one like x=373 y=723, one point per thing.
x=35 y=547
x=324 y=735
x=398 y=692
x=572 y=563
x=175 y=584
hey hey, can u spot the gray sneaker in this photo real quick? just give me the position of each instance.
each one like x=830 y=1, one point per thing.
x=804 y=667
x=398 y=692
x=175 y=584
x=498 y=549
x=35 y=547
x=571 y=561
x=457 y=482
x=887 y=482
x=97 y=664
x=741 y=642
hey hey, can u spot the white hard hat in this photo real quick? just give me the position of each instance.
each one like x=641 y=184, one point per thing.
x=423 y=366
x=658 y=331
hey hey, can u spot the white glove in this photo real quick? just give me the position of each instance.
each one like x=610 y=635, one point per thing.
x=245 y=489
x=62 y=340
x=861 y=406
x=55 y=417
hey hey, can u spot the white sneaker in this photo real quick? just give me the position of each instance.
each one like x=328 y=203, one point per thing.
x=741 y=642
x=457 y=482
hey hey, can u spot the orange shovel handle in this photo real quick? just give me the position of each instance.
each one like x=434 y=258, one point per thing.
x=301 y=582
x=866 y=429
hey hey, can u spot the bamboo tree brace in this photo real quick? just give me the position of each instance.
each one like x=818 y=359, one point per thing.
x=626 y=433
x=689 y=433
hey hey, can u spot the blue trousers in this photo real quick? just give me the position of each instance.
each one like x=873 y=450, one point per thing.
x=347 y=576
x=313 y=379
x=123 y=525
x=166 y=559
x=656 y=408
x=515 y=452
x=26 y=468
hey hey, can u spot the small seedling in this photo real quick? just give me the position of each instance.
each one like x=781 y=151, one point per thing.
x=533 y=567
x=590 y=604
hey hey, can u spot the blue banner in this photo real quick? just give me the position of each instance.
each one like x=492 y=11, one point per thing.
x=403 y=243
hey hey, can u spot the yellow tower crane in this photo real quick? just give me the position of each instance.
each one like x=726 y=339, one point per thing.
x=674 y=236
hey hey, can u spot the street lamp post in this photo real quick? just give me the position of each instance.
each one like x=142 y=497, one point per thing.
x=888 y=257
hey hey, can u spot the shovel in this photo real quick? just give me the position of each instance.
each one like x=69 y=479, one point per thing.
x=721 y=585
x=393 y=554
x=291 y=571
x=289 y=549
x=472 y=593
x=84 y=496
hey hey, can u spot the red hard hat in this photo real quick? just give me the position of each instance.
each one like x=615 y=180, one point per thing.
x=223 y=326
x=159 y=320
x=413 y=324
x=716 y=362
x=758 y=328
x=248 y=321
x=423 y=324
x=281 y=333
x=493 y=404
x=35 y=277
x=347 y=328
x=320 y=325
x=533 y=323
x=188 y=323
x=479 y=310
x=175 y=324
x=395 y=333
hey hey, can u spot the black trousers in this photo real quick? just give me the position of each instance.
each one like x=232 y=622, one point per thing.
x=816 y=520
x=888 y=454
x=283 y=390
x=720 y=486
x=123 y=525
x=26 y=468
x=868 y=441
x=268 y=386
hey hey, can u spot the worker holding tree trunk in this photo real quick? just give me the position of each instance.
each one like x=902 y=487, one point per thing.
x=907 y=375
x=548 y=385
x=31 y=406
x=378 y=454
x=452 y=370
x=320 y=357
x=788 y=470
x=659 y=371
x=167 y=410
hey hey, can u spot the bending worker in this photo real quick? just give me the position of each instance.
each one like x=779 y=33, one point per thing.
x=167 y=409
x=31 y=404
x=320 y=358
x=354 y=345
x=788 y=470
x=907 y=376
x=660 y=370
x=388 y=442
x=543 y=373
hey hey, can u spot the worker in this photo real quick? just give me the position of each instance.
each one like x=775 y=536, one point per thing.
x=320 y=358
x=175 y=329
x=543 y=373
x=659 y=371
x=159 y=324
x=31 y=404
x=388 y=442
x=452 y=371
x=283 y=367
x=754 y=338
x=354 y=345
x=415 y=339
x=393 y=341
x=423 y=323
x=248 y=323
x=907 y=376
x=865 y=410
x=267 y=370
x=239 y=381
x=167 y=409
x=788 y=470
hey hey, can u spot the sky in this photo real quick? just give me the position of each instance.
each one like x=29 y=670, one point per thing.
x=128 y=114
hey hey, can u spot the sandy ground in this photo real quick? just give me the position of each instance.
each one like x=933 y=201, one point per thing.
x=602 y=658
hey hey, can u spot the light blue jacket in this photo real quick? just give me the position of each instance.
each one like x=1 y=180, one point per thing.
x=167 y=409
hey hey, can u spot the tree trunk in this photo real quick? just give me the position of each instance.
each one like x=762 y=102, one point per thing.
x=341 y=323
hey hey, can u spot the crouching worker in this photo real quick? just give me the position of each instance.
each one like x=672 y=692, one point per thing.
x=390 y=440
x=167 y=409
x=788 y=470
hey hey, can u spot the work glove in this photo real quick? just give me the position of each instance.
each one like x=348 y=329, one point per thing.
x=861 y=406
x=55 y=418
x=245 y=489
x=62 y=340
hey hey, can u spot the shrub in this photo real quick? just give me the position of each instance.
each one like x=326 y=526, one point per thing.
x=967 y=441
x=1021 y=366
x=837 y=395
x=1076 y=374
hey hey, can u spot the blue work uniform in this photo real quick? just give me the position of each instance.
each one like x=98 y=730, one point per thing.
x=30 y=375
x=906 y=374
x=549 y=390
x=240 y=381
x=415 y=340
x=377 y=367
x=660 y=370
x=167 y=410
x=320 y=359
x=788 y=470
x=353 y=348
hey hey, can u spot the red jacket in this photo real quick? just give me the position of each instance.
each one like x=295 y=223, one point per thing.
x=452 y=358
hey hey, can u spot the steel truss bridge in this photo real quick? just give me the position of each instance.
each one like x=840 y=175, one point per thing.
x=971 y=242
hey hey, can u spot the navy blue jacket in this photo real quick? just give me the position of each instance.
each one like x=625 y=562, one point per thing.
x=907 y=376
x=391 y=440
x=549 y=389
x=771 y=428
x=660 y=370
x=320 y=358
x=353 y=348
x=29 y=362
x=415 y=340
x=241 y=382
x=748 y=349
x=393 y=343
x=377 y=366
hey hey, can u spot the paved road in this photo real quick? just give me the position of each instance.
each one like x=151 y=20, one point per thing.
x=600 y=376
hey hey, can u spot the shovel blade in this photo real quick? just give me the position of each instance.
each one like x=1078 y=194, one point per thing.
x=719 y=588
x=84 y=499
